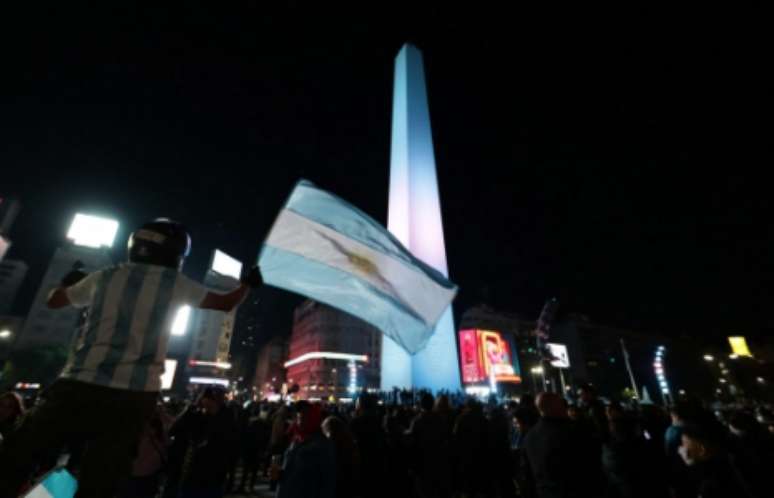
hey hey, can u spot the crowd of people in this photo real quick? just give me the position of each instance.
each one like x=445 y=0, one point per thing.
x=427 y=446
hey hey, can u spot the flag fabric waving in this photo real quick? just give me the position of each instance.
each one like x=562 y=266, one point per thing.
x=328 y=250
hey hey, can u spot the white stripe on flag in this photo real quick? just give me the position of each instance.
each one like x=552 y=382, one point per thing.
x=415 y=290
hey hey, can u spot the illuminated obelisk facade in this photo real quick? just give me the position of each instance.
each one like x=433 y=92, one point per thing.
x=415 y=219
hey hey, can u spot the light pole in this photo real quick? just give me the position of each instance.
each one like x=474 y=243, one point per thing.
x=658 y=367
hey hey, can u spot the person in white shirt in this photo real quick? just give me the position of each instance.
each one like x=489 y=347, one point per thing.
x=110 y=386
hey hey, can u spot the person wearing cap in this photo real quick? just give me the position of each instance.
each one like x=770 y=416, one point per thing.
x=109 y=388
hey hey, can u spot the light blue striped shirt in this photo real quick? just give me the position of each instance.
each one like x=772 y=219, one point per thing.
x=125 y=337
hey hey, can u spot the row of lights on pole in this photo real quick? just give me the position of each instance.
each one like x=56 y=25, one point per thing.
x=658 y=367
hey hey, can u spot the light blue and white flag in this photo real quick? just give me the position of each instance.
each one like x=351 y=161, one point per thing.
x=328 y=250
x=56 y=484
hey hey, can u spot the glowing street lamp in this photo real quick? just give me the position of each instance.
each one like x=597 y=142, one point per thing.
x=5 y=334
x=709 y=357
x=536 y=370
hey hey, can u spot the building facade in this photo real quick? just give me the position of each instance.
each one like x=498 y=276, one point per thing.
x=47 y=328
x=12 y=273
x=332 y=353
x=212 y=330
x=270 y=370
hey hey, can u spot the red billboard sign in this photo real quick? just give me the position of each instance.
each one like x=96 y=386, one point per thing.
x=484 y=354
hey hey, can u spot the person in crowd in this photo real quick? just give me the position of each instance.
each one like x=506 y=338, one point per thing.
x=560 y=455
x=309 y=466
x=430 y=450
x=443 y=410
x=116 y=369
x=625 y=458
x=255 y=442
x=203 y=436
x=704 y=450
x=11 y=410
x=397 y=468
x=347 y=458
x=151 y=459
x=366 y=426
x=681 y=414
x=499 y=444
x=752 y=450
x=470 y=440
x=524 y=420
x=593 y=412
x=278 y=441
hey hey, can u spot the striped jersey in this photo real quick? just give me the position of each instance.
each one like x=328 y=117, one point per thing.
x=132 y=307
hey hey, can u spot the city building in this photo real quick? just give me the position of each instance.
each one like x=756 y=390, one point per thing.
x=12 y=273
x=9 y=209
x=414 y=217
x=270 y=369
x=89 y=239
x=212 y=330
x=332 y=353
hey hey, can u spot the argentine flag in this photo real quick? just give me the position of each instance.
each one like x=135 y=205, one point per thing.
x=328 y=250
x=56 y=484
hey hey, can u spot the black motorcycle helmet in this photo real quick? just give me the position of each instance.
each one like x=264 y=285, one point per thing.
x=161 y=242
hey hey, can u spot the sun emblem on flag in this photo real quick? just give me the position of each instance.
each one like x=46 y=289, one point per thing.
x=363 y=264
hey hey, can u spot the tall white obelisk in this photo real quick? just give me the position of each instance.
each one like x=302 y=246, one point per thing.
x=415 y=219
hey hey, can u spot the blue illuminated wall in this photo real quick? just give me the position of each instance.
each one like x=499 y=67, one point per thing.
x=415 y=219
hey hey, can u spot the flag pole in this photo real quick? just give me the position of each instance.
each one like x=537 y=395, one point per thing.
x=629 y=369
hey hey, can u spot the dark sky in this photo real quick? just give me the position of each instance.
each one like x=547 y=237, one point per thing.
x=615 y=158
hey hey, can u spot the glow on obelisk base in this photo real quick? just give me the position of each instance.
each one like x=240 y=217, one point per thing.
x=415 y=219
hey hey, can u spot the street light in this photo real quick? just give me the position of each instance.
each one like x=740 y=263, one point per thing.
x=5 y=334
x=536 y=370
x=709 y=357
x=733 y=356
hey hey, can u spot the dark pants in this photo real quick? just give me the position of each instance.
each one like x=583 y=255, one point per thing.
x=110 y=421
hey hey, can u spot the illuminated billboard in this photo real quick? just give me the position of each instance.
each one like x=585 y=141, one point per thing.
x=92 y=231
x=559 y=354
x=168 y=377
x=486 y=353
x=739 y=346
x=226 y=265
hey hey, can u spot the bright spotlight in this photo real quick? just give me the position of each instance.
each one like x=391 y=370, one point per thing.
x=180 y=324
x=92 y=231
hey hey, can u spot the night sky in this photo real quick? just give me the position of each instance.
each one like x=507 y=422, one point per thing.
x=614 y=158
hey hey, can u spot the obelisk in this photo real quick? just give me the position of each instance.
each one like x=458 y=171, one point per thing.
x=414 y=217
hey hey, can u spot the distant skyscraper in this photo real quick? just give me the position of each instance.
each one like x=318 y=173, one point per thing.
x=212 y=330
x=45 y=327
x=415 y=219
x=12 y=273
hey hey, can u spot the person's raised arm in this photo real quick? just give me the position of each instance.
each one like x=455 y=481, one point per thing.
x=69 y=292
x=230 y=300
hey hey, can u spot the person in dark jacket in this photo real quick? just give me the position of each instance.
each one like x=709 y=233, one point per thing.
x=625 y=458
x=11 y=409
x=347 y=459
x=366 y=426
x=430 y=446
x=560 y=455
x=203 y=435
x=704 y=450
x=470 y=440
x=309 y=466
